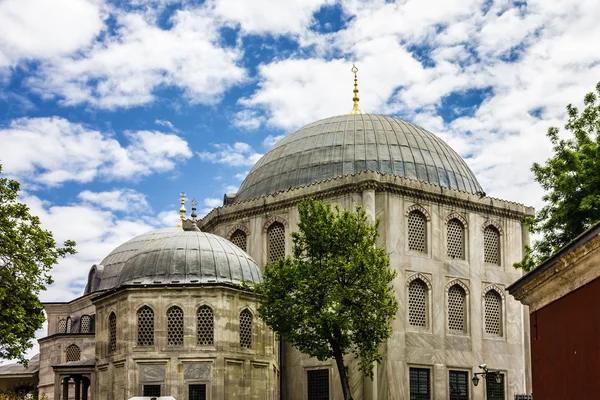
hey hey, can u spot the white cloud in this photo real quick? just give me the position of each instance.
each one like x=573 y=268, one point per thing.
x=213 y=202
x=127 y=67
x=237 y=155
x=127 y=200
x=271 y=140
x=270 y=16
x=40 y=29
x=248 y=119
x=165 y=123
x=51 y=151
x=241 y=176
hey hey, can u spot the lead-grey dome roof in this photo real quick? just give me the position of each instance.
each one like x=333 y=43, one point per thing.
x=352 y=143
x=175 y=256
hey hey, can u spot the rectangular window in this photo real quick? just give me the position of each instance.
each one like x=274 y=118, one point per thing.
x=151 y=391
x=495 y=390
x=318 y=384
x=420 y=384
x=197 y=392
x=458 y=383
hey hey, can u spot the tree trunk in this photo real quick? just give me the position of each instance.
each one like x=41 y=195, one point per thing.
x=339 y=360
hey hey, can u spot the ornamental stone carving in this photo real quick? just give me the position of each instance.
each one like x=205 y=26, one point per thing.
x=200 y=371
x=152 y=373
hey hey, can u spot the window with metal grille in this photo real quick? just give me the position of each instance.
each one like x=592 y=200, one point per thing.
x=175 y=326
x=112 y=332
x=417 y=303
x=417 y=232
x=197 y=392
x=86 y=323
x=205 y=324
x=275 y=242
x=246 y=329
x=456 y=308
x=318 y=384
x=494 y=390
x=151 y=391
x=455 y=239
x=458 y=384
x=239 y=239
x=62 y=326
x=493 y=313
x=69 y=324
x=420 y=384
x=145 y=328
x=491 y=245
x=73 y=353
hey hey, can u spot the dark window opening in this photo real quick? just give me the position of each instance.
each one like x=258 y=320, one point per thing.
x=494 y=390
x=151 y=391
x=459 y=385
x=197 y=392
x=420 y=384
x=318 y=384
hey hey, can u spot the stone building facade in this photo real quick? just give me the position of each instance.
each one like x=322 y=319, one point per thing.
x=452 y=246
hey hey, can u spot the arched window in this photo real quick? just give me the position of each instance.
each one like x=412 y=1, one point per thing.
x=69 y=324
x=491 y=245
x=92 y=283
x=62 y=325
x=493 y=313
x=275 y=242
x=246 y=329
x=73 y=353
x=417 y=231
x=175 y=326
x=112 y=332
x=85 y=324
x=417 y=303
x=239 y=239
x=457 y=309
x=455 y=239
x=145 y=326
x=206 y=326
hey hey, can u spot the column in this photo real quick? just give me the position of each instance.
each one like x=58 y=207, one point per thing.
x=77 y=387
x=65 y=389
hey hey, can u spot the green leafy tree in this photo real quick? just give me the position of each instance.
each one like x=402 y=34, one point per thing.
x=571 y=180
x=333 y=296
x=27 y=254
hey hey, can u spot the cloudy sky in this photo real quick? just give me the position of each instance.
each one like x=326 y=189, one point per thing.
x=109 y=109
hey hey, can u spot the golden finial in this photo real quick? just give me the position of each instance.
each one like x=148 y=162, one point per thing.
x=182 y=210
x=355 y=109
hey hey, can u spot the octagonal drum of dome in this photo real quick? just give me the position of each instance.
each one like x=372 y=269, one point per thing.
x=349 y=144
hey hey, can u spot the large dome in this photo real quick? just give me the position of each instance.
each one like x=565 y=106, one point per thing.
x=176 y=256
x=352 y=143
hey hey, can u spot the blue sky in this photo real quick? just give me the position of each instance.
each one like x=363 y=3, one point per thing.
x=109 y=109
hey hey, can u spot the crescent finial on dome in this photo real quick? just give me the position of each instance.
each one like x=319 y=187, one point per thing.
x=355 y=99
x=182 y=210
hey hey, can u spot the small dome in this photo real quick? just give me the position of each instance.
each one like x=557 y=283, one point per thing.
x=348 y=144
x=176 y=256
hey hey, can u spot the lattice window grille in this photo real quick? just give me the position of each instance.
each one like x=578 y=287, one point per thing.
x=69 y=324
x=175 y=326
x=420 y=384
x=205 y=325
x=417 y=232
x=491 y=245
x=456 y=308
x=145 y=320
x=317 y=384
x=456 y=239
x=246 y=329
x=493 y=313
x=495 y=391
x=62 y=326
x=459 y=385
x=112 y=332
x=276 y=242
x=239 y=239
x=73 y=353
x=86 y=323
x=417 y=303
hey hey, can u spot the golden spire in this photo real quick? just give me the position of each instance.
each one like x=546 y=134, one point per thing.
x=182 y=210
x=355 y=109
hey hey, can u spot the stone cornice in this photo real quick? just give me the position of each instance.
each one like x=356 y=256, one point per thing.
x=552 y=280
x=356 y=184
